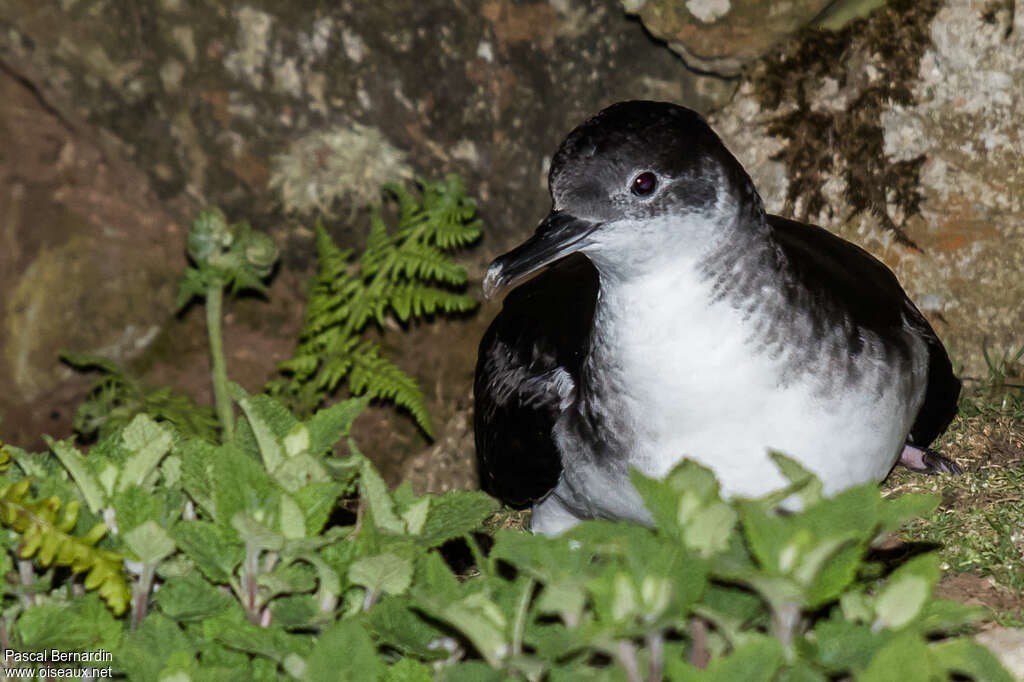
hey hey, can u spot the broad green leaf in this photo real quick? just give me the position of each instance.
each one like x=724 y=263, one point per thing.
x=394 y=623
x=967 y=657
x=297 y=577
x=295 y=610
x=906 y=592
x=216 y=550
x=190 y=598
x=408 y=670
x=453 y=515
x=144 y=652
x=331 y=424
x=387 y=573
x=344 y=651
x=809 y=487
x=757 y=660
x=150 y=543
x=375 y=492
x=241 y=484
x=271 y=643
x=889 y=664
x=415 y=515
x=75 y=464
x=255 y=534
x=147 y=442
x=317 y=501
x=270 y=423
x=297 y=441
x=293 y=521
x=86 y=624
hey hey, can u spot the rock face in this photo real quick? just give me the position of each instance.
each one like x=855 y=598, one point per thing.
x=899 y=133
x=723 y=36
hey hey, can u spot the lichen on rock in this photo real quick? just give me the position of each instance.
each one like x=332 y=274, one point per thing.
x=341 y=165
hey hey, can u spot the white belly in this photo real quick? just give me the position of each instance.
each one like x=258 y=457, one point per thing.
x=693 y=381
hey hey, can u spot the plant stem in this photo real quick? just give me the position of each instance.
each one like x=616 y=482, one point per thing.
x=250 y=594
x=214 y=306
x=521 y=611
x=656 y=647
x=140 y=594
x=627 y=659
x=699 y=654
x=785 y=619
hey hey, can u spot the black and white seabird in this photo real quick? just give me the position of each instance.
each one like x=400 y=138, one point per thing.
x=677 y=320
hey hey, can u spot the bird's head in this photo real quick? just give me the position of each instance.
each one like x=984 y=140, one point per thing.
x=636 y=186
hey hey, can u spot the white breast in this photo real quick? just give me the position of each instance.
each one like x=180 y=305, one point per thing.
x=692 y=381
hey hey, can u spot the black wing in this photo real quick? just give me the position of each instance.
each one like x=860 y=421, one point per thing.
x=830 y=267
x=537 y=341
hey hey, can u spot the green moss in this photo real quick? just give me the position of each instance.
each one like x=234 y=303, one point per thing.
x=892 y=40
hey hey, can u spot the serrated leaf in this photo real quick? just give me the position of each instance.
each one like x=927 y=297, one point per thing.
x=373 y=489
x=83 y=625
x=145 y=651
x=190 y=598
x=453 y=515
x=147 y=442
x=216 y=550
x=343 y=651
x=889 y=663
x=904 y=596
x=150 y=543
x=967 y=657
x=75 y=464
x=387 y=573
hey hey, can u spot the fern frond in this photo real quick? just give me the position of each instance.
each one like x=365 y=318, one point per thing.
x=378 y=377
x=404 y=272
x=116 y=397
x=47 y=534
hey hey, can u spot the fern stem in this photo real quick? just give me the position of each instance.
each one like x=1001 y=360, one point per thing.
x=214 y=306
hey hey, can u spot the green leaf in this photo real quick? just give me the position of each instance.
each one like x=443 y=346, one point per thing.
x=191 y=599
x=967 y=657
x=271 y=643
x=387 y=573
x=75 y=464
x=147 y=442
x=83 y=625
x=394 y=623
x=331 y=424
x=270 y=423
x=144 y=652
x=343 y=651
x=216 y=550
x=241 y=484
x=453 y=515
x=408 y=670
x=807 y=484
x=904 y=596
x=150 y=543
x=373 y=489
x=890 y=663
x=756 y=660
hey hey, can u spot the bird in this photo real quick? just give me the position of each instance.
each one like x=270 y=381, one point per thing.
x=659 y=313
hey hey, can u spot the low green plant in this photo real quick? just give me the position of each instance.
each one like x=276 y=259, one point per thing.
x=116 y=397
x=404 y=272
x=266 y=557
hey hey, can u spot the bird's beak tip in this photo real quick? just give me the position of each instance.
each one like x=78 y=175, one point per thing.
x=492 y=282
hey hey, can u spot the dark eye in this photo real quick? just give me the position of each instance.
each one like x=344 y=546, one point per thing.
x=644 y=184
